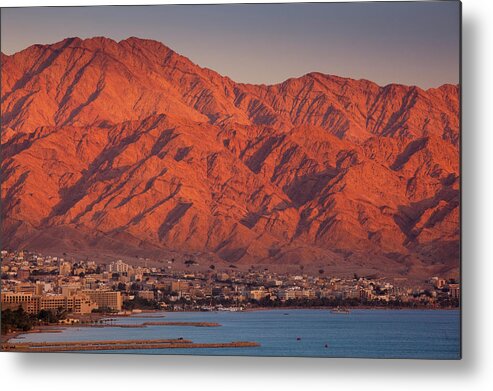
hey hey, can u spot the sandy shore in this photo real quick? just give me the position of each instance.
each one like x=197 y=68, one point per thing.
x=5 y=338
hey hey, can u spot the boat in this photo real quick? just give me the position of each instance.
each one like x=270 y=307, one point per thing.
x=339 y=310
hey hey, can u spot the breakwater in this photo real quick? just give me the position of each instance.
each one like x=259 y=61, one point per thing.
x=145 y=324
x=120 y=345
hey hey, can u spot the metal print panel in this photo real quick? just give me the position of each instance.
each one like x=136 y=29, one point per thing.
x=265 y=180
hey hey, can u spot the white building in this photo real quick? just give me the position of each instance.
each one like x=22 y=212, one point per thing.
x=118 y=267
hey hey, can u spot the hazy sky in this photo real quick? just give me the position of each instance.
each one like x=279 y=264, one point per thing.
x=415 y=43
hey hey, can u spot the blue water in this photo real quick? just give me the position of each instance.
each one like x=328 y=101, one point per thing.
x=426 y=334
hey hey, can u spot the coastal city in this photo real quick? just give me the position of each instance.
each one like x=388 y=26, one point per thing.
x=42 y=283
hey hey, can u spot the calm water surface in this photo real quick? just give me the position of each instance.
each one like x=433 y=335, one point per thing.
x=433 y=334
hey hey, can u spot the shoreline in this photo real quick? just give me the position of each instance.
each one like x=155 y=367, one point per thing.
x=332 y=308
x=321 y=308
x=5 y=338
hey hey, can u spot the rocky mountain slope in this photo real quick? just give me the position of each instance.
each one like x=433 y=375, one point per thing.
x=128 y=148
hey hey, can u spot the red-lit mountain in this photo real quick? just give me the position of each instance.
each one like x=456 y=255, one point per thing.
x=129 y=148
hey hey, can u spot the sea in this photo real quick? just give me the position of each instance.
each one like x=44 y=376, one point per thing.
x=363 y=333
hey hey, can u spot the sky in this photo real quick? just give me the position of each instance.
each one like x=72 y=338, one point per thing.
x=412 y=43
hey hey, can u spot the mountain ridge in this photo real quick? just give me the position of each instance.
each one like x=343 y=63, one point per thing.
x=134 y=38
x=136 y=141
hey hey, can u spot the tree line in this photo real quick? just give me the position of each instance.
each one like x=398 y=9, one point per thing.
x=20 y=320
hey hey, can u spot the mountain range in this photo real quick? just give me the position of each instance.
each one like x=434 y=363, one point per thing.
x=130 y=149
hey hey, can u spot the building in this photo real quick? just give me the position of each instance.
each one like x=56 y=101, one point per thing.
x=274 y=283
x=82 y=304
x=351 y=294
x=106 y=299
x=65 y=268
x=454 y=291
x=308 y=294
x=77 y=304
x=439 y=282
x=180 y=286
x=257 y=294
x=32 y=304
x=222 y=277
x=25 y=287
x=118 y=267
x=147 y=295
x=68 y=290
x=13 y=301
x=288 y=294
x=39 y=288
